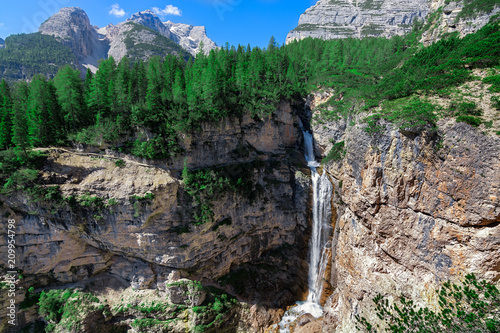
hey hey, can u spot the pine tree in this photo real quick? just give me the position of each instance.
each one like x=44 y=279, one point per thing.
x=5 y=116
x=20 y=137
x=43 y=113
x=70 y=93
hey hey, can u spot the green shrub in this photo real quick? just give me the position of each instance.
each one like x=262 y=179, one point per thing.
x=471 y=120
x=468 y=109
x=495 y=101
x=415 y=115
x=89 y=201
x=471 y=306
x=120 y=163
x=335 y=154
x=105 y=132
x=494 y=80
x=66 y=307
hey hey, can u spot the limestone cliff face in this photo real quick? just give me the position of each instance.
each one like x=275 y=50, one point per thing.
x=142 y=242
x=448 y=19
x=410 y=216
x=330 y=19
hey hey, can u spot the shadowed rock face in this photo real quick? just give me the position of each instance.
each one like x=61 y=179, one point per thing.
x=411 y=216
x=2 y=43
x=257 y=242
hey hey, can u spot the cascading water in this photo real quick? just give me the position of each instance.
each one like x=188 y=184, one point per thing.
x=322 y=192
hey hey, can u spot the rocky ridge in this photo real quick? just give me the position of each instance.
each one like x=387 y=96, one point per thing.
x=90 y=44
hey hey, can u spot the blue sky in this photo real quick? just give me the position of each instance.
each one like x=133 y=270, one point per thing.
x=234 y=21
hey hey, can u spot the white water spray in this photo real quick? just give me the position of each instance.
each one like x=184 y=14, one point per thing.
x=322 y=212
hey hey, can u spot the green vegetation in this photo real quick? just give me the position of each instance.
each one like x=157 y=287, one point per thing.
x=120 y=163
x=408 y=114
x=26 y=55
x=66 y=307
x=141 y=108
x=159 y=46
x=471 y=306
x=473 y=7
x=337 y=153
x=207 y=185
x=494 y=80
x=19 y=170
x=471 y=120
x=495 y=101
x=218 y=307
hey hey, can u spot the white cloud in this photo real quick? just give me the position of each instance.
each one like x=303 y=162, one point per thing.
x=116 y=11
x=169 y=10
x=2 y=26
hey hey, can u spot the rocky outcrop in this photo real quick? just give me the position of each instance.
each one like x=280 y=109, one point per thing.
x=412 y=214
x=330 y=19
x=255 y=247
x=448 y=18
x=149 y=20
x=2 y=43
x=72 y=27
x=190 y=37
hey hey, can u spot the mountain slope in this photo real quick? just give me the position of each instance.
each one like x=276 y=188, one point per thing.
x=140 y=43
x=2 y=43
x=26 y=55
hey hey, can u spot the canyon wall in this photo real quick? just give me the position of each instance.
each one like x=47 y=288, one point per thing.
x=255 y=247
x=414 y=210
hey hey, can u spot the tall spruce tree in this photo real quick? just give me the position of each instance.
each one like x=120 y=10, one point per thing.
x=5 y=116
x=20 y=137
x=70 y=93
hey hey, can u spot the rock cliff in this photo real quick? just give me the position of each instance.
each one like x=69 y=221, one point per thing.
x=331 y=19
x=2 y=43
x=414 y=210
x=453 y=16
x=255 y=247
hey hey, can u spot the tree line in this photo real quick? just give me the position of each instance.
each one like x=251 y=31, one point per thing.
x=142 y=106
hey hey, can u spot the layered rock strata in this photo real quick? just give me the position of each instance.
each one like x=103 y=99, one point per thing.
x=331 y=19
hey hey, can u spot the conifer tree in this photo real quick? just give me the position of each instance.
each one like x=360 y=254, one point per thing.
x=70 y=93
x=19 y=119
x=5 y=116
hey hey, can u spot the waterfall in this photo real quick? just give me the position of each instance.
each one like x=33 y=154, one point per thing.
x=322 y=195
x=322 y=212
